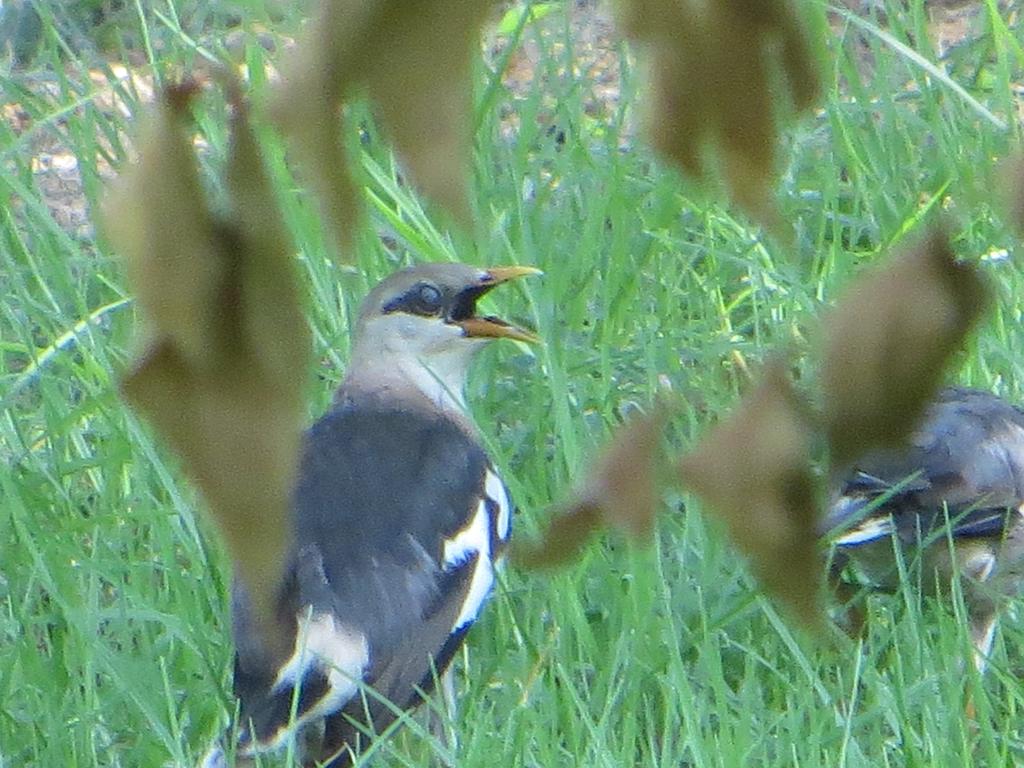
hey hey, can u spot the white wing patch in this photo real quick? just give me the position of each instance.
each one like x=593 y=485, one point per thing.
x=321 y=643
x=474 y=538
x=869 y=530
x=475 y=541
x=479 y=589
x=498 y=493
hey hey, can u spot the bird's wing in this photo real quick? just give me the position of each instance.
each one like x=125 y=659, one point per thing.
x=398 y=516
x=964 y=466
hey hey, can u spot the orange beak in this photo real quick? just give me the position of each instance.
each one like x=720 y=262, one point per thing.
x=489 y=327
x=501 y=275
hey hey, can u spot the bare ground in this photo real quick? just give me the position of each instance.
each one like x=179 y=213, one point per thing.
x=595 y=67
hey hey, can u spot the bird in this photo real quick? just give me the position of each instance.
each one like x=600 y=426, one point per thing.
x=952 y=496
x=398 y=520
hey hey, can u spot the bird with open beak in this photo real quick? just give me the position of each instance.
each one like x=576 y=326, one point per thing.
x=398 y=521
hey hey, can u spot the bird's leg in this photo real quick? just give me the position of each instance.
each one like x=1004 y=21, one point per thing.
x=983 y=629
x=982 y=613
x=451 y=703
x=980 y=601
x=442 y=717
x=438 y=716
x=852 y=615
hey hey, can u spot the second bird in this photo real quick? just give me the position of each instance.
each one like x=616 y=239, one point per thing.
x=954 y=496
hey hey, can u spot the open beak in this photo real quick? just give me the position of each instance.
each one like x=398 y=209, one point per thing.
x=490 y=327
x=499 y=275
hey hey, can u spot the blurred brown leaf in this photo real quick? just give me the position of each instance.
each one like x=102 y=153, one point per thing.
x=621 y=491
x=221 y=375
x=753 y=470
x=145 y=221
x=413 y=59
x=887 y=343
x=712 y=76
x=1014 y=193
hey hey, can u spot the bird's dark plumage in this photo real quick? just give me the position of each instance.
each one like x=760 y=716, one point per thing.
x=391 y=582
x=961 y=476
x=966 y=458
x=398 y=519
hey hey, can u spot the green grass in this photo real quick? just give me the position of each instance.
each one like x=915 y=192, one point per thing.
x=114 y=647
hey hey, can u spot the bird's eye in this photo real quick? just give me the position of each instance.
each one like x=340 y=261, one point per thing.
x=422 y=299
x=428 y=299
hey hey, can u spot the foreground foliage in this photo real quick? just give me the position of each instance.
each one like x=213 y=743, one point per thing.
x=114 y=605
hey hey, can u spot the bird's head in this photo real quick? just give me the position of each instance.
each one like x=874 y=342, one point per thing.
x=425 y=317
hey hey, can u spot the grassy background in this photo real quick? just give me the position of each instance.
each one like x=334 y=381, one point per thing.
x=114 y=645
